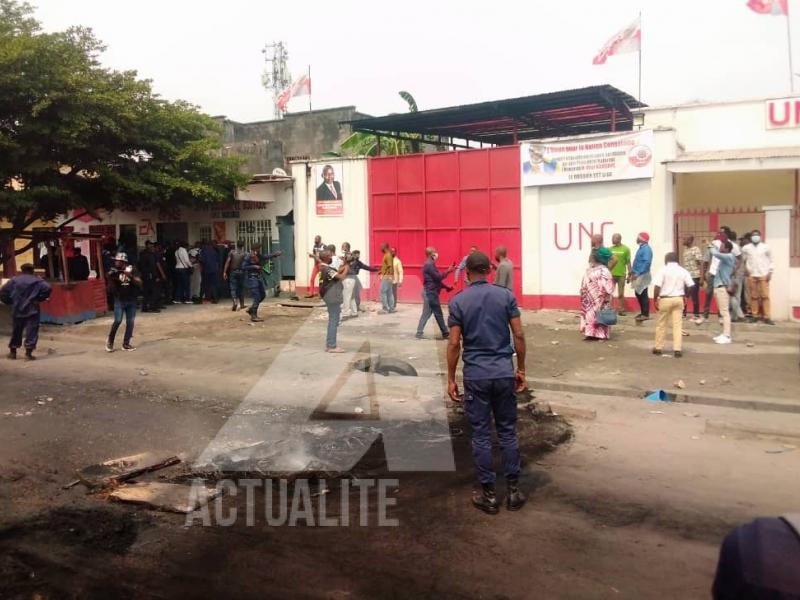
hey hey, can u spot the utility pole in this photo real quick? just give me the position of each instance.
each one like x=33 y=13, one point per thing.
x=276 y=73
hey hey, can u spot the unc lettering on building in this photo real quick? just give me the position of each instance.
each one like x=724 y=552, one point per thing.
x=783 y=113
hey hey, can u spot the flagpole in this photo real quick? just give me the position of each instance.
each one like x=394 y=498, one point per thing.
x=789 y=46
x=309 y=88
x=640 y=57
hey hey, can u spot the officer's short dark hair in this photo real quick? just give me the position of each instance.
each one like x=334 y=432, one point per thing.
x=27 y=268
x=478 y=262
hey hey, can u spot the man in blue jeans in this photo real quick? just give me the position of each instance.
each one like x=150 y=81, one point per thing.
x=124 y=283
x=481 y=315
x=432 y=284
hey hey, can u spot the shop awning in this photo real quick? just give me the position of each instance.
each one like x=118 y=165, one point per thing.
x=747 y=159
x=593 y=109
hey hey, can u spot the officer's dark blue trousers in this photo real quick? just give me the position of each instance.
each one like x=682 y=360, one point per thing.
x=29 y=325
x=484 y=399
x=258 y=291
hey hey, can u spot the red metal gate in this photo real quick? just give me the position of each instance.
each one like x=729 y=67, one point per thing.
x=705 y=224
x=449 y=200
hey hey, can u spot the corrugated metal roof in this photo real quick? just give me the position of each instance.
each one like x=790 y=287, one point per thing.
x=555 y=114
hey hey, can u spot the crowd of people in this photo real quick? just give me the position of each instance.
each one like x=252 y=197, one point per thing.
x=169 y=274
x=734 y=273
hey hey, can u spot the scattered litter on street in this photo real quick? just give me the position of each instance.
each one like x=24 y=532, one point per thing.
x=555 y=342
x=656 y=412
x=358 y=410
x=124 y=468
x=680 y=384
x=171 y=497
x=691 y=414
x=659 y=396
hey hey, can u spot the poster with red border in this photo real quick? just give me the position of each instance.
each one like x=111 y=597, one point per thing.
x=587 y=160
x=329 y=189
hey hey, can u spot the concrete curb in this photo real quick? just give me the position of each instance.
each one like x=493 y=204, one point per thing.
x=763 y=404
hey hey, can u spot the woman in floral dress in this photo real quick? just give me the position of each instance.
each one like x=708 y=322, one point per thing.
x=597 y=290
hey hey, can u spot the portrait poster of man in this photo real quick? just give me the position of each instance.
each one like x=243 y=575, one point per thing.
x=329 y=195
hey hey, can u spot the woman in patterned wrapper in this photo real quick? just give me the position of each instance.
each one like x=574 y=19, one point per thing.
x=597 y=290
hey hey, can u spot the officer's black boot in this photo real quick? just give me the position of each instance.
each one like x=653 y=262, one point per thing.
x=485 y=499
x=515 y=498
x=12 y=353
x=29 y=354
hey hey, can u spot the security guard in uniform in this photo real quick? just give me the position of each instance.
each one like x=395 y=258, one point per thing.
x=481 y=315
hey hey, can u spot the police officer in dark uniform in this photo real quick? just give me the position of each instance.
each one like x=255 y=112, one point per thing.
x=481 y=315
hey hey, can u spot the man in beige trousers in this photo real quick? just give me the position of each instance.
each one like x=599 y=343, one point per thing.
x=672 y=286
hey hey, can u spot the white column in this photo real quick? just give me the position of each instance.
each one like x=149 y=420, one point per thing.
x=777 y=227
x=530 y=222
x=302 y=267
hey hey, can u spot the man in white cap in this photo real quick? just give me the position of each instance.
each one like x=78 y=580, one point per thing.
x=124 y=283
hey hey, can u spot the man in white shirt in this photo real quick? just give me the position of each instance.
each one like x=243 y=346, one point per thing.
x=183 y=269
x=672 y=286
x=336 y=261
x=397 y=276
x=758 y=267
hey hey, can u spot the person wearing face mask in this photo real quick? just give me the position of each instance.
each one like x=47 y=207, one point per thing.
x=722 y=287
x=758 y=269
x=433 y=282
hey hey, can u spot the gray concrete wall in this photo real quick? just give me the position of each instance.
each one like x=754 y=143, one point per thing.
x=269 y=144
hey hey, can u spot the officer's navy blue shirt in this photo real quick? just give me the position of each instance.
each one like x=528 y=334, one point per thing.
x=483 y=311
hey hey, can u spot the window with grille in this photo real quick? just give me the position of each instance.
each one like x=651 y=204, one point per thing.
x=205 y=233
x=255 y=232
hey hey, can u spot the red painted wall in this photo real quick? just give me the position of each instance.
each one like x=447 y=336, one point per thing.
x=75 y=302
x=449 y=200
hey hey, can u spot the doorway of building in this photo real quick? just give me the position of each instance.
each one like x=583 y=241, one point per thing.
x=172 y=232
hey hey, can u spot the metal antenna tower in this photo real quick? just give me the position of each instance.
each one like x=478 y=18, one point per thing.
x=275 y=77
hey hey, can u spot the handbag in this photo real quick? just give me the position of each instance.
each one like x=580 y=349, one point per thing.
x=607 y=317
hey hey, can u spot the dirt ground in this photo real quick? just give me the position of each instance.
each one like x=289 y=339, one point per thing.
x=630 y=500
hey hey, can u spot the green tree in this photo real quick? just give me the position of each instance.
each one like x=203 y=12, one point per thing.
x=77 y=136
x=366 y=144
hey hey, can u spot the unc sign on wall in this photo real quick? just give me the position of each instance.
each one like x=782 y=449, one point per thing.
x=783 y=113
x=606 y=158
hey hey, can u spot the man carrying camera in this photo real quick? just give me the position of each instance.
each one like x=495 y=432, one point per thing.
x=124 y=283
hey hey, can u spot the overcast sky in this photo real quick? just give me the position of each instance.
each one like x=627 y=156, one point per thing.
x=444 y=52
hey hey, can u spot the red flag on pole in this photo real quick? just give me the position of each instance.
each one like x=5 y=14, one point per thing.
x=626 y=40
x=769 y=7
x=300 y=87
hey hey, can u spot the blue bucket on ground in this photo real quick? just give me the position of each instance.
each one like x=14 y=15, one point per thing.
x=660 y=396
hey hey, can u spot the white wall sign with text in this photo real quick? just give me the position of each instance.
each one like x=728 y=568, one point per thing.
x=606 y=158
